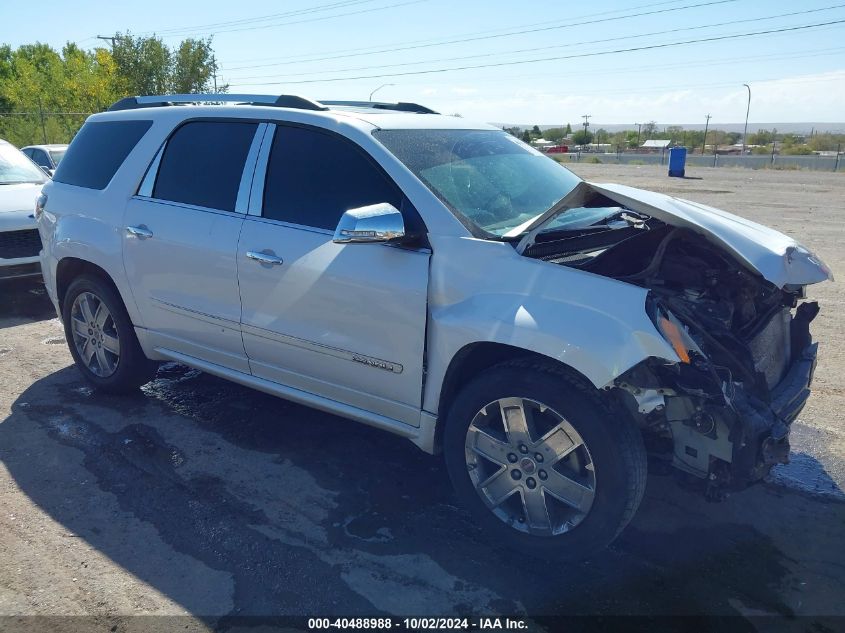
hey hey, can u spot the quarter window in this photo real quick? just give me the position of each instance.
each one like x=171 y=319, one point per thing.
x=203 y=163
x=98 y=151
x=313 y=177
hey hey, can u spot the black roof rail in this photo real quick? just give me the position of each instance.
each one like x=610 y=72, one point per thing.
x=401 y=106
x=279 y=101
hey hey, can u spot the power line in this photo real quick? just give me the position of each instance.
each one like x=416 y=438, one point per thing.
x=263 y=18
x=704 y=63
x=507 y=34
x=542 y=48
x=559 y=57
x=721 y=84
x=316 y=19
x=347 y=51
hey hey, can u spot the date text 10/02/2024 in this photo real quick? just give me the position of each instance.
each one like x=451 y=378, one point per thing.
x=424 y=623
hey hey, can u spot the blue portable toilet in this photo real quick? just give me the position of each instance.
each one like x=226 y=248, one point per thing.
x=677 y=161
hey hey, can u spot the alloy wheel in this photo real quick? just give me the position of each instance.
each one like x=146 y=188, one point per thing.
x=95 y=334
x=530 y=466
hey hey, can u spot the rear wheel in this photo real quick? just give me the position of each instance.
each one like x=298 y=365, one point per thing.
x=542 y=462
x=101 y=337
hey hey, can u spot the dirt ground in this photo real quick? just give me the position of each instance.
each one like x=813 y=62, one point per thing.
x=197 y=497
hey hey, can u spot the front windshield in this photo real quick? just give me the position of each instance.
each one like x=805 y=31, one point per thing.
x=57 y=155
x=491 y=180
x=16 y=168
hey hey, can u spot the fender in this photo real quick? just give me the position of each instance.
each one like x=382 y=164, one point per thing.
x=102 y=247
x=595 y=325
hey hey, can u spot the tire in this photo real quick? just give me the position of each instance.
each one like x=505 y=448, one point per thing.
x=603 y=480
x=114 y=361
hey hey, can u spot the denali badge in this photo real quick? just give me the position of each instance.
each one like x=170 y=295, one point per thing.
x=375 y=362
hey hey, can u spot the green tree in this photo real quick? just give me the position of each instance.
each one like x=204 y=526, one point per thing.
x=526 y=136
x=568 y=129
x=761 y=137
x=193 y=67
x=535 y=131
x=825 y=142
x=45 y=94
x=146 y=65
x=555 y=134
x=649 y=130
x=582 y=137
x=143 y=64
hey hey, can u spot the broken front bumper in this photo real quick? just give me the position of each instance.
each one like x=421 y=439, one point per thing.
x=762 y=435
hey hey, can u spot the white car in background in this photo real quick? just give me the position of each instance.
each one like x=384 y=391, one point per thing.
x=440 y=280
x=20 y=185
x=47 y=157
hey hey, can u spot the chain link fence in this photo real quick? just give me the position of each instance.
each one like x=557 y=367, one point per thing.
x=836 y=162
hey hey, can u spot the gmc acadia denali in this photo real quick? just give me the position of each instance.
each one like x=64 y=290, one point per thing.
x=442 y=281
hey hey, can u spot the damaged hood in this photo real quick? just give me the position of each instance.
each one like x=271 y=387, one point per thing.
x=777 y=257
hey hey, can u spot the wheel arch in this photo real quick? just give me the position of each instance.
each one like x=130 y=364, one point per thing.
x=69 y=268
x=476 y=357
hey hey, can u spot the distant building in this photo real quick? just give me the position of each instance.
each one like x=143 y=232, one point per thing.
x=656 y=144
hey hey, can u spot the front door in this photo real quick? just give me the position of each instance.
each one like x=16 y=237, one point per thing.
x=181 y=240
x=343 y=321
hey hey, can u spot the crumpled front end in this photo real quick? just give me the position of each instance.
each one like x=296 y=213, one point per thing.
x=727 y=424
x=729 y=296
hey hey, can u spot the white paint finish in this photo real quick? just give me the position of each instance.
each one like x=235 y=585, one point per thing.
x=184 y=278
x=330 y=303
x=17 y=203
x=17 y=206
x=597 y=326
x=307 y=398
x=777 y=257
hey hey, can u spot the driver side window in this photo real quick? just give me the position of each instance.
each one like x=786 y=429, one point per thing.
x=313 y=177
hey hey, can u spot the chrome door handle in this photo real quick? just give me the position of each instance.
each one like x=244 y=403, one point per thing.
x=139 y=231
x=265 y=258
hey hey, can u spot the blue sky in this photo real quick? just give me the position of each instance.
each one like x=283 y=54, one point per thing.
x=344 y=49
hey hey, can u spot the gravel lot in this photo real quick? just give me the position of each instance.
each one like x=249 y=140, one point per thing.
x=198 y=497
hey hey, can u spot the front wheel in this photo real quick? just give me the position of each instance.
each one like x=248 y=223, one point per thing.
x=542 y=462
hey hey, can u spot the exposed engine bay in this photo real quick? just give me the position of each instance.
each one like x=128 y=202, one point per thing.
x=746 y=355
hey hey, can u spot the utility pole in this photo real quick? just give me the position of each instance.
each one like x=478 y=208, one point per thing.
x=214 y=71
x=41 y=115
x=747 y=110
x=111 y=39
x=704 y=143
x=586 y=118
x=639 y=129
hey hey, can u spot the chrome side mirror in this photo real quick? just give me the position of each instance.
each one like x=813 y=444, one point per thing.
x=374 y=223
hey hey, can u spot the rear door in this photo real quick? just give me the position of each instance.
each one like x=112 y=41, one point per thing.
x=181 y=239
x=343 y=321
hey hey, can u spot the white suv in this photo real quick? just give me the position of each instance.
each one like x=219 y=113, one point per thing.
x=439 y=280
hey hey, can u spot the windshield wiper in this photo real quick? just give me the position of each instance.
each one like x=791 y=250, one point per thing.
x=578 y=197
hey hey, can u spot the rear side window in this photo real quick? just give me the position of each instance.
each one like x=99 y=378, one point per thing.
x=313 y=177
x=203 y=163
x=98 y=151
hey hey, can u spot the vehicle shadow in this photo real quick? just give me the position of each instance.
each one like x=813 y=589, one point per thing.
x=23 y=301
x=234 y=503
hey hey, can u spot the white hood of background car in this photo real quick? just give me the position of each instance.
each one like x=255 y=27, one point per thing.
x=20 y=197
x=17 y=206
